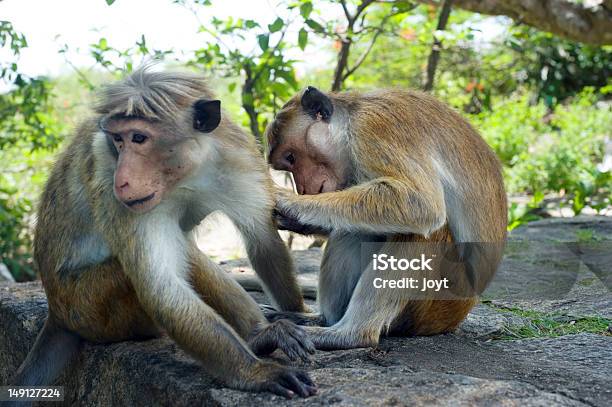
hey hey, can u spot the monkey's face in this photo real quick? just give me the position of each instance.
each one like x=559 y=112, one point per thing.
x=152 y=158
x=302 y=143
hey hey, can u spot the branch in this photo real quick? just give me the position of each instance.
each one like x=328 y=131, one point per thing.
x=346 y=12
x=362 y=6
x=432 y=62
x=570 y=20
x=362 y=57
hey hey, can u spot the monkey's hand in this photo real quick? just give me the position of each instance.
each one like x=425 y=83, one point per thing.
x=282 y=380
x=283 y=222
x=284 y=335
x=287 y=221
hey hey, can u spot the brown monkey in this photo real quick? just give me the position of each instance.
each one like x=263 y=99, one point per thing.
x=114 y=247
x=401 y=170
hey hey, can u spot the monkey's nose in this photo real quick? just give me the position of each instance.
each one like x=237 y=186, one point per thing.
x=125 y=185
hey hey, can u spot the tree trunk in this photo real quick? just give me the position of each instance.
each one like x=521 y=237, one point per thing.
x=247 y=89
x=434 y=56
x=567 y=19
x=341 y=65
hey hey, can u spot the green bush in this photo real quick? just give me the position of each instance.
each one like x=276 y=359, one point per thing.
x=558 y=155
x=15 y=241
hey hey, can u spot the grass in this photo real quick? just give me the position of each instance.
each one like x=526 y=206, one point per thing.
x=587 y=236
x=544 y=325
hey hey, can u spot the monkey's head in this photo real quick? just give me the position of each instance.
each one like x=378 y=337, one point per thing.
x=150 y=122
x=302 y=140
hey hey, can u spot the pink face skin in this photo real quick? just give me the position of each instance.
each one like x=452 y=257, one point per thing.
x=149 y=163
x=309 y=156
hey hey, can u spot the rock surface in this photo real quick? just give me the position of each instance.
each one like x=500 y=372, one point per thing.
x=473 y=366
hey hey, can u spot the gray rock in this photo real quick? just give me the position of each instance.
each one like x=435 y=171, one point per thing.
x=398 y=386
x=558 y=266
x=469 y=367
x=483 y=322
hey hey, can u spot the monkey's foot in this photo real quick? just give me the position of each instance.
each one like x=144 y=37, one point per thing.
x=334 y=338
x=284 y=335
x=299 y=318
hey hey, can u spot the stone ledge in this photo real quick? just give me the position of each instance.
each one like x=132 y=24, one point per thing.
x=454 y=369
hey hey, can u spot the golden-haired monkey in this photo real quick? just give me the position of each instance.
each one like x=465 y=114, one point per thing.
x=115 y=248
x=398 y=170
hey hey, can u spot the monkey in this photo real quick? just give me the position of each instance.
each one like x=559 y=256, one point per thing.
x=114 y=240
x=390 y=171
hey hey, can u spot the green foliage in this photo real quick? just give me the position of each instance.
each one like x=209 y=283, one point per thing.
x=537 y=99
x=559 y=68
x=267 y=77
x=559 y=156
x=14 y=238
x=25 y=110
x=27 y=124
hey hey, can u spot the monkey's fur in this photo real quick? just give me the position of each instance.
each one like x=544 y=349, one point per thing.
x=117 y=266
x=400 y=169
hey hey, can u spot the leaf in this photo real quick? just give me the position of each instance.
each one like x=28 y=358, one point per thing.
x=305 y=9
x=277 y=25
x=263 y=40
x=302 y=38
x=251 y=24
x=314 y=25
x=109 y=2
x=231 y=87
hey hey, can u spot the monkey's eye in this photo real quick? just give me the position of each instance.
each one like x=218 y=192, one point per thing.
x=138 y=138
x=290 y=158
x=117 y=138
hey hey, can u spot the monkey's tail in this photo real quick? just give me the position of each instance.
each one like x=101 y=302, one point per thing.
x=252 y=283
x=54 y=348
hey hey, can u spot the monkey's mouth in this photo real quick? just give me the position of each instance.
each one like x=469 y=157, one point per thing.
x=135 y=202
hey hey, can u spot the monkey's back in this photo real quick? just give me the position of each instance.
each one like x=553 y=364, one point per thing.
x=410 y=132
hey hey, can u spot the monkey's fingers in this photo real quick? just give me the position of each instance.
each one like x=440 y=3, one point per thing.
x=292 y=380
x=300 y=335
x=293 y=340
x=303 y=376
x=280 y=390
x=292 y=348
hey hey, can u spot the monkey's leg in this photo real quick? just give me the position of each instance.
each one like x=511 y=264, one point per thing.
x=100 y=304
x=238 y=309
x=54 y=348
x=376 y=310
x=372 y=311
x=339 y=273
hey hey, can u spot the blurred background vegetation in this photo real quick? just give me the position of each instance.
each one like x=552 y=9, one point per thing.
x=535 y=82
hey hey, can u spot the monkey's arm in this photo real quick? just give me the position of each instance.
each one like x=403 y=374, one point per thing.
x=271 y=260
x=157 y=265
x=284 y=222
x=382 y=205
x=237 y=307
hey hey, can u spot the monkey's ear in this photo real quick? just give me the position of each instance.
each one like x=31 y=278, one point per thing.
x=207 y=115
x=315 y=103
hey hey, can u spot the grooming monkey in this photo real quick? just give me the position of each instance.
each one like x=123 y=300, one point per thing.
x=402 y=171
x=115 y=248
